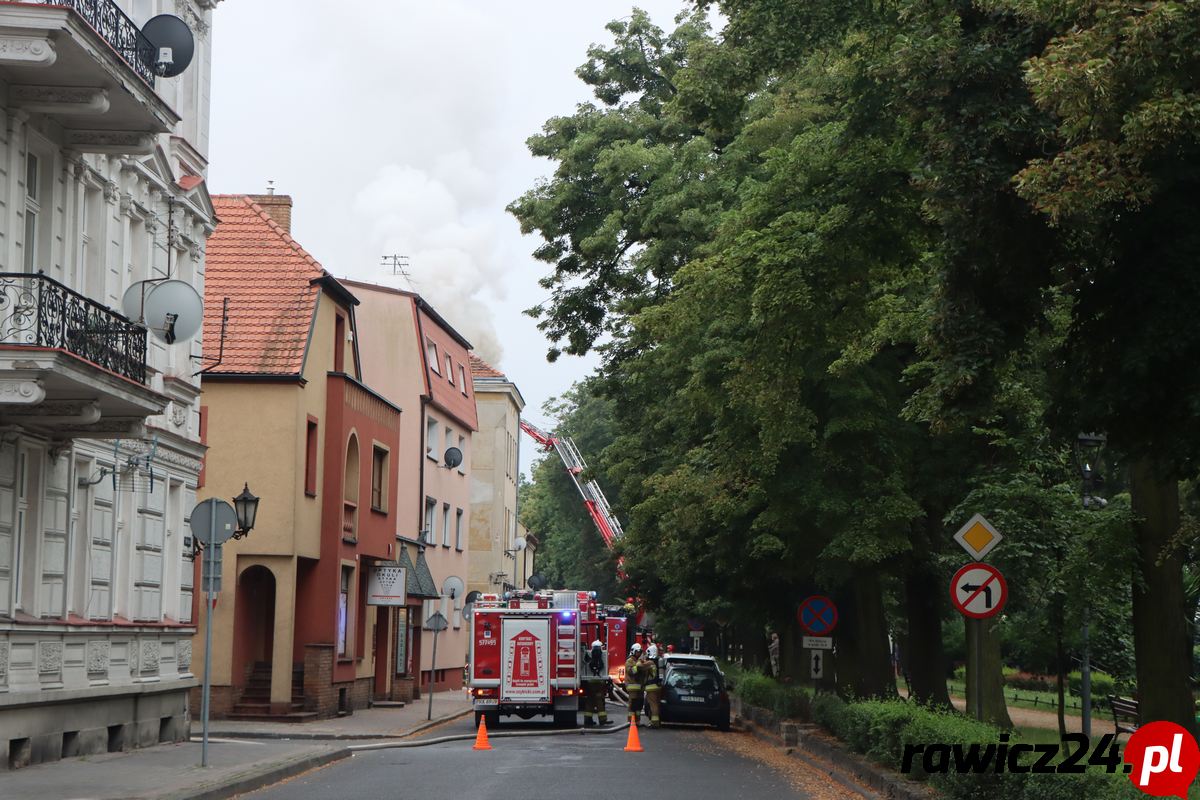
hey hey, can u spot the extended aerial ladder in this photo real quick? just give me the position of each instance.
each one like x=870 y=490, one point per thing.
x=593 y=498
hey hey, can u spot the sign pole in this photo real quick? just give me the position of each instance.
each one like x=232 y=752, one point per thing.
x=210 y=555
x=978 y=669
x=432 y=673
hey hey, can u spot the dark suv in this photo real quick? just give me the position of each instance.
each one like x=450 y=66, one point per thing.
x=695 y=690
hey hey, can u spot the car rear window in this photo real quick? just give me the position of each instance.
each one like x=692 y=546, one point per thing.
x=696 y=680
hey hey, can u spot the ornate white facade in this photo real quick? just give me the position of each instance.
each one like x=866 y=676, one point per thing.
x=101 y=186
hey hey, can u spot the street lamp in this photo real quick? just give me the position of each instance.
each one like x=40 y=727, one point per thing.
x=1087 y=452
x=245 y=505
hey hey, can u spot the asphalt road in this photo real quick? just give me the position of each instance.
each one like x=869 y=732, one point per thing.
x=684 y=763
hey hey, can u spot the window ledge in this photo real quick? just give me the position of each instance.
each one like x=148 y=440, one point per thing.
x=349 y=540
x=432 y=457
x=307 y=493
x=378 y=510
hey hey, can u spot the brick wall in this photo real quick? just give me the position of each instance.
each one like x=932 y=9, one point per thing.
x=320 y=694
x=402 y=689
x=221 y=701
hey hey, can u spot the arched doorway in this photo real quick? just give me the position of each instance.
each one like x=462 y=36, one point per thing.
x=254 y=637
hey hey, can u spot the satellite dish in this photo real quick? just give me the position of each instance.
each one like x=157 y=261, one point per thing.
x=469 y=606
x=453 y=457
x=135 y=297
x=453 y=587
x=519 y=543
x=173 y=44
x=537 y=581
x=173 y=311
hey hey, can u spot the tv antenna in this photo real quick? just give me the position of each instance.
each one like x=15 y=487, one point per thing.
x=399 y=265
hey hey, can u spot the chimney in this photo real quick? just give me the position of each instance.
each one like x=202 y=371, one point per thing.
x=277 y=206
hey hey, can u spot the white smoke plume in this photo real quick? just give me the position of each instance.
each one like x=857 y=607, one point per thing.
x=453 y=260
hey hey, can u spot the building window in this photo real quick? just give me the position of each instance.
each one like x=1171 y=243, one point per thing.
x=462 y=379
x=32 y=209
x=339 y=344
x=431 y=438
x=379 y=473
x=343 y=631
x=310 y=458
x=431 y=356
x=449 y=438
x=450 y=370
x=462 y=448
x=445 y=524
x=427 y=536
x=458 y=530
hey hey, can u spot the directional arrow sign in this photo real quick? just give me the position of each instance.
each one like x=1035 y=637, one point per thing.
x=818 y=665
x=978 y=591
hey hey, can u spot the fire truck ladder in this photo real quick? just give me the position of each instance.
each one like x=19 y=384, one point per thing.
x=593 y=498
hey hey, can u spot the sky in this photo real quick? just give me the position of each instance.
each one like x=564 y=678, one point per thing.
x=399 y=127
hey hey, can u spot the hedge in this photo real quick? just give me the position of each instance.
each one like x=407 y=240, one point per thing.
x=880 y=729
x=758 y=690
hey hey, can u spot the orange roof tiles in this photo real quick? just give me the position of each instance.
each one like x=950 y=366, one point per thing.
x=268 y=279
x=482 y=369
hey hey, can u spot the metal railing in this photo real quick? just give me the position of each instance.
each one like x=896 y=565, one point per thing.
x=38 y=311
x=108 y=20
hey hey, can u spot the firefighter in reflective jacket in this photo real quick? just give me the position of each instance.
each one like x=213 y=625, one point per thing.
x=595 y=681
x=633 y=681
x=653 y=685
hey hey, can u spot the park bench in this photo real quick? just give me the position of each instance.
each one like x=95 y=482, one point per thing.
x=1123 y=709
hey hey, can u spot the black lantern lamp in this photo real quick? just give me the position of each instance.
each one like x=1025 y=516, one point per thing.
x=245 y=505
x=1087 y=451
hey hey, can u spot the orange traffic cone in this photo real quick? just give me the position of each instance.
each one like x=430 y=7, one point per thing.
x=481 y=740
x=633 y=744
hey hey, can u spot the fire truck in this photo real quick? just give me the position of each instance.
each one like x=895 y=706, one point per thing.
x=527 y=652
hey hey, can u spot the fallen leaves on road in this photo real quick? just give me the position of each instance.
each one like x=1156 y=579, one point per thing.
x=803 y=777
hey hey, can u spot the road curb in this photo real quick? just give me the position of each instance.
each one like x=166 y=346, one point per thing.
x=241 y=784
x=848 y=769
x=301 y=735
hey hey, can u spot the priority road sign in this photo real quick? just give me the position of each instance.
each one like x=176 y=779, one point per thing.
x=978 y=591
x=818 y=615
x=978 y=537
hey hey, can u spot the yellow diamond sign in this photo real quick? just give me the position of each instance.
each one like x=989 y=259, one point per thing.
x=978 y=537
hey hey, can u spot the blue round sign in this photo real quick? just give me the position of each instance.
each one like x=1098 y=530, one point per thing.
x=818 y=615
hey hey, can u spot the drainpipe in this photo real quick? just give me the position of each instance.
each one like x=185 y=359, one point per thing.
x=517 y=503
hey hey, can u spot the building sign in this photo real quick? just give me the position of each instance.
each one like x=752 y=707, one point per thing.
x=386 y=586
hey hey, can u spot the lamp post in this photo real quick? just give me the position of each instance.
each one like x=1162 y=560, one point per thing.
x=1087 y=450
x=245 y=511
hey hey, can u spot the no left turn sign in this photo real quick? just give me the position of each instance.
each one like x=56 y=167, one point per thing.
x=978 y=591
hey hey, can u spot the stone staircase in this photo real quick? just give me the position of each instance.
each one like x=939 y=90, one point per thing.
x=255 y=705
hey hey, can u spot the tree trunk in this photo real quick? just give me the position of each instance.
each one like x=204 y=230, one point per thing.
x=1160 y=625
x=864 y=661
x=984 y=666
x=924 y=598
x=1061 y=676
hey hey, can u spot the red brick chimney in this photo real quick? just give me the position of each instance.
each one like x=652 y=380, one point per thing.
x=277 y=206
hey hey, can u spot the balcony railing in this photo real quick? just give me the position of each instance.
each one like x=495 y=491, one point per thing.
x=109 y=21
x=38 y=311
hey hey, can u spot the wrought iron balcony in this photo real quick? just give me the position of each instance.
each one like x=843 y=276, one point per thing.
x=108 y=20
x=38 y=311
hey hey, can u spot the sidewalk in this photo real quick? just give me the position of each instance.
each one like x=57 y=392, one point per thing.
x=243 y=756
x=370 y=723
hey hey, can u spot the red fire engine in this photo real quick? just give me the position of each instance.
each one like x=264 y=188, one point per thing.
x=527 y=653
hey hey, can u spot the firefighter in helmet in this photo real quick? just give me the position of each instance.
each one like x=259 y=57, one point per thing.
x=653 y=685
x=633 y=681
x=595 y=681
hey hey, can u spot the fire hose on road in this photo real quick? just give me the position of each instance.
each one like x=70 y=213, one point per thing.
x=468 y=737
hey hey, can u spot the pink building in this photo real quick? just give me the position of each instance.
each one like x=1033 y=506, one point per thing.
x=415 y=359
